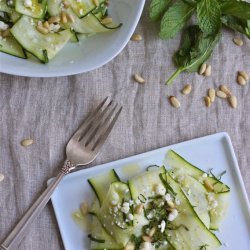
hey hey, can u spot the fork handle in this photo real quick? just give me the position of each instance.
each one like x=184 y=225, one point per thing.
x=20 y=230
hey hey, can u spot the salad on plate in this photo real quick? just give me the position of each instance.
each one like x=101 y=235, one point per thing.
x=179 y=208
x=41 y=28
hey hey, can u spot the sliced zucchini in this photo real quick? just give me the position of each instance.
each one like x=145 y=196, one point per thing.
x=5 y=7
x=54 y=7
x=44 y=47
x=101 y=184
x=84 y=7
x=144 y=184
x=10 y=46
x=196 y=193
x=100 y=239
x=187 y=231
x=89 y=24
x=176 y=161
x=218 y=213
x=32 y=8
x=116 y=226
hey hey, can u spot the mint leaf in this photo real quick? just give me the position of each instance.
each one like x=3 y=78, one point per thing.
x=237 y=24
x=175 y=19
x=157 y=7
x=208 y=15
x=236 y=8
x=195 y=50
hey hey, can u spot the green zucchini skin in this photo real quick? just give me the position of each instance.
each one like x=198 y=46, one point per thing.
x=100 y=184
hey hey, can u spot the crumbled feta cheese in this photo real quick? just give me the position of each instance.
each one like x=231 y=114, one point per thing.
x=150 y=216
x=125 y=207
x=27 y=3
x=167 y=197
x=131 y=202
x=204 y=175
x=137 y=202
x=160 y=189
x=54 y=27
x=162 y=226
x=130 y=216
x=172 y=216
x=81 y=11
x=165 y=243
x=3 y=26
x=146 y=246
x=214 y=204
x=10 y=2
x=177 y=201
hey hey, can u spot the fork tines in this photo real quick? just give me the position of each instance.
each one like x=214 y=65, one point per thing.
x=96 y=128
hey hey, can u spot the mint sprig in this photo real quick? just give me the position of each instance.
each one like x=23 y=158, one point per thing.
x=201 y=37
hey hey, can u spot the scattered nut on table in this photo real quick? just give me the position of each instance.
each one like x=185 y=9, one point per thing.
x=211 y=94
x=207 y=101
x=221 y=94
x=238 y=41
x=225 y=89
x=1 y=177
x=233 y=101
x=27 y=142
x=136 y=37
x=174 y=102
x=138 y=78
x=187 y=89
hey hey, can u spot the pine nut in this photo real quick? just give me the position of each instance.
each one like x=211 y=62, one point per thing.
x=129 y=246
x=170 y=204
x=136 y=37
x=139 y=209
x=221 y=94
x=64 y=17
x=152 y=231
x=211 y=94
x=187 y=89
x=238 y=41
x=138 y=78
x=84 y=208
x=70 y=18
x=6 y=33
x=46 y=25
x=207 y=101
x=208 y=185
x=233 y=101
x=1 y=177
x=54 y=19
x=225 y=89
x=244 y=75
x=42 y=30
x=146 y=238
x=27 y=142
x=66 y=4
x=202 y=68
x=241 y=80
x=174 y=102
x=96 y=2
x=208 y=71
x=107 y=20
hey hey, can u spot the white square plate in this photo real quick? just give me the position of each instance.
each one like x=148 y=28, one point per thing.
x=213 y=151
x=90 y=54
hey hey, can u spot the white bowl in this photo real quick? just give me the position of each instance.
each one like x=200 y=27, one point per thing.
x=90 y=54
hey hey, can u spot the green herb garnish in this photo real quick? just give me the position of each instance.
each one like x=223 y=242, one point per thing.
x=200 y=38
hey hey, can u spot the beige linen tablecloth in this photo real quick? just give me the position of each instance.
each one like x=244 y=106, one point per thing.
x=49 y=111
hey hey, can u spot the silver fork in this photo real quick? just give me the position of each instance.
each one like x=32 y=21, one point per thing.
x=81 y=150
